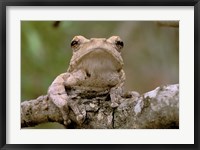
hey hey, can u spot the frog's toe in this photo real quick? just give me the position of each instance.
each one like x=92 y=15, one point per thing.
x=67 y=122
x=80 y=118
x=114 y=105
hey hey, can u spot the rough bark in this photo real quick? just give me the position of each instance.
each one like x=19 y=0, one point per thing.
x=157 y=109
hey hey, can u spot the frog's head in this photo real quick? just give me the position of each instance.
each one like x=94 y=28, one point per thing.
x=96 y=52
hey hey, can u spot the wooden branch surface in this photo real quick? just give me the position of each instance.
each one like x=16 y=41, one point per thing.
x=157 y=109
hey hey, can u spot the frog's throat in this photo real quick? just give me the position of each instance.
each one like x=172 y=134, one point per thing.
x=112 y=53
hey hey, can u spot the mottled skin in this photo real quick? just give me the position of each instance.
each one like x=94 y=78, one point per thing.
x=96 y=65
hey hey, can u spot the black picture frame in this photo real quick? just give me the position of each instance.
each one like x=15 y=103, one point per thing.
x=5 y=3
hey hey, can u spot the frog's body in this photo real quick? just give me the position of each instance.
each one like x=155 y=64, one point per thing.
x=96 y=65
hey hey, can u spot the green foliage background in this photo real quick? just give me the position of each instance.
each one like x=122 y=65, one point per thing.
x=151 y=52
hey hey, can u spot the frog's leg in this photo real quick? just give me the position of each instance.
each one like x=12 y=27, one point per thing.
x=117 y=91
x=57 y=93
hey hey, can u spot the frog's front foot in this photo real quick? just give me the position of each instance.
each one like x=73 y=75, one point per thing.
x=60 y=100
x=78 y=115
x=79 y=111
x=65 y=115
x=115 y=98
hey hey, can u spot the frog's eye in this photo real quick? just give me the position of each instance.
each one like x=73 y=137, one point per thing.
x=74 y=44
x=119 y=44
x=77 y=41
x=116 y=42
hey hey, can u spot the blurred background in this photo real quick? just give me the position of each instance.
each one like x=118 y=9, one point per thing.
x=151 y=52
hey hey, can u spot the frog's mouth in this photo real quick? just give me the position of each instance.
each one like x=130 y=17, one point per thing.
x=101 y=59
x=97 y=59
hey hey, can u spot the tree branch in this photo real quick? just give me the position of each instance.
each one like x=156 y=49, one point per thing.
x=157 y=109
